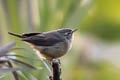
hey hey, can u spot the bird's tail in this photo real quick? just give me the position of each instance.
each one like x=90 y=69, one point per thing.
x=15 y=34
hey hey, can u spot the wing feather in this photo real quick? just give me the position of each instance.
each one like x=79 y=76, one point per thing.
x=29 y=34
x=43 y=39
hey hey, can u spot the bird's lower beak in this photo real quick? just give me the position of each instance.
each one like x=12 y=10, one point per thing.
x=74 y=30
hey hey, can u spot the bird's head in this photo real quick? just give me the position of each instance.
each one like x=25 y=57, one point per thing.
x=68 y=33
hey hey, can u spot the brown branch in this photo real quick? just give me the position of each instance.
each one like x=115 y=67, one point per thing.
x=56 y=69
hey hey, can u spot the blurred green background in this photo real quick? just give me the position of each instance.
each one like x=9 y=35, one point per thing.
x=96 y=47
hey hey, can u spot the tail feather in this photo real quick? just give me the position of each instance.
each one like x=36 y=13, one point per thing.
x=15 y=34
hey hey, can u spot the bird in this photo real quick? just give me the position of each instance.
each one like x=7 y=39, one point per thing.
x=49 y=45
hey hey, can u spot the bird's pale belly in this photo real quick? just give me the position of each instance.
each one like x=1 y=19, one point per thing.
x=52 y=52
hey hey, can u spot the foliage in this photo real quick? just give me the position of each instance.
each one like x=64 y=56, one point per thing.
x=103 y=20
x=6 y=61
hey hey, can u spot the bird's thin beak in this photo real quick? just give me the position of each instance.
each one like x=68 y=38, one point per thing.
x=74 y=30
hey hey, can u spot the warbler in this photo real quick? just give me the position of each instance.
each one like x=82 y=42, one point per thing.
x=50 y=45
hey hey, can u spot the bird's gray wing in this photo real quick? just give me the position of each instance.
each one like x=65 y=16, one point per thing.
x=43 y=40
x=29 y=34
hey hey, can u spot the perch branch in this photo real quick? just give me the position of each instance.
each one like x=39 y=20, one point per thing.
x=56 y=70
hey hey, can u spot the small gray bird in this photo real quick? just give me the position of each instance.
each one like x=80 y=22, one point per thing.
x=49 y=45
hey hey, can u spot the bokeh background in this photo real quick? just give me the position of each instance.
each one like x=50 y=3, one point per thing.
x=95 y=54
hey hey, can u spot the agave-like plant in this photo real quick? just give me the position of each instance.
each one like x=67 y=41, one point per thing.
x=6 y=61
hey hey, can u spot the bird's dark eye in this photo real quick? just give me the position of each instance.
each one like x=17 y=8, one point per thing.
x=67 y=33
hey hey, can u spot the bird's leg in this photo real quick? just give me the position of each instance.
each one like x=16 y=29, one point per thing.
x=50 y=62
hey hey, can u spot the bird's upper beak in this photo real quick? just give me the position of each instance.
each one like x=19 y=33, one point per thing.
x=74 y=30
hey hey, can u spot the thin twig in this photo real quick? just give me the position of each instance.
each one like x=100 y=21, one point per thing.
x=24 y=63
x=56 y=69
x=14 y=72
